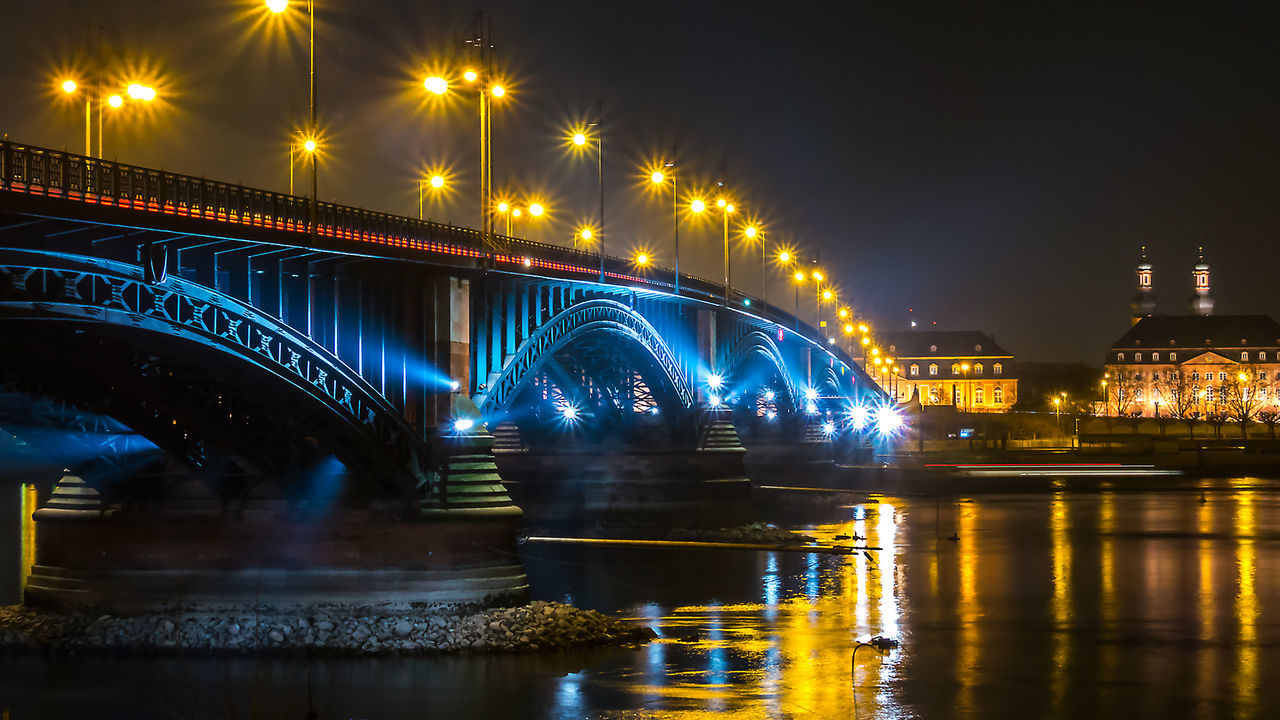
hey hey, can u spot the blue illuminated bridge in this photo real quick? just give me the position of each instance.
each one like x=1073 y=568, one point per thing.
x=245 y=396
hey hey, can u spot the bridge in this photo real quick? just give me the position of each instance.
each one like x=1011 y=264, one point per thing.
x=291 y=399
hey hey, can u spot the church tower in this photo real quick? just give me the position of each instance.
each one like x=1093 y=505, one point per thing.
x=1201 y=303
x=1144 y=303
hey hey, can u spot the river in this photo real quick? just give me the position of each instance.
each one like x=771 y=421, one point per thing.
x=1104 y=600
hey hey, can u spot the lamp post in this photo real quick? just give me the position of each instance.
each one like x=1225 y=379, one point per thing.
x=726 y=208
x=1057 y=414
x=580 y=139
x=313 y=132
x=751 y=232
x=135 y=91
x=486 y=90
x=799 y=278
x=435 y=182
x=817 y=298
x=658 y=177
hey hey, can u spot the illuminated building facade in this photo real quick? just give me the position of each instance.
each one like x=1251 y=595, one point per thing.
x=1195 y=365
x=962 y=368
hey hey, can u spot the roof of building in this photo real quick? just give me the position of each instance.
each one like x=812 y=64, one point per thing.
x=942 y=344
x=1201 y=331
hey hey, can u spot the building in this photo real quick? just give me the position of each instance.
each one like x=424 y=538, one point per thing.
x=962 y=368
x=1195 y=365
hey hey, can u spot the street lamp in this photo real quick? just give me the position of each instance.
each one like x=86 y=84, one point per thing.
x=964 y=370
x=486 y=90
x=657 y=178
x=751 y=232
x=726 y=208
x=580 y=139
x=436 y=182
x=135 y=91
x=309 y=145
x=799 y=278
x=277 y=7
x=1057 y=411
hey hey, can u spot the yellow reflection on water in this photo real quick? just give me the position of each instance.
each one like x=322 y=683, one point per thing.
x=1060 y=547
x=967 y=607
x=29 y=501
x=1107 y=578
x=790 y=654
x=1246 y=608
x=1206 y=602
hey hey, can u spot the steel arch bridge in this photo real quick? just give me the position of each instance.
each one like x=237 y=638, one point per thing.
x=361 y=335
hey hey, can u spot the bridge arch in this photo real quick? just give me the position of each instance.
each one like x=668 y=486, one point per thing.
x=244 y=362
x=596 y=316
x=756 y=346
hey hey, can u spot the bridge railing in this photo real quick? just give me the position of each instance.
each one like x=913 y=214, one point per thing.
x=56 y=174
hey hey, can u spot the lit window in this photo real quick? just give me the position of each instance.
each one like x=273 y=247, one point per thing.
x=977 y=369
x=1155 y=357
x=933 y=395
x=933 y=348
x=1137 y=395
x=997 y=369
x=1222 y=376
x=997 y=395
x=1137 y=357
x=1173 y=357
x=915 y=370
x=977 y=395
x=1119 y=357
x=933 y=370
x=1244 y=356
x=955 y=368
x=1262 y=354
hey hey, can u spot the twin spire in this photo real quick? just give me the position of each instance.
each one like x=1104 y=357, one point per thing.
x=1144 y=303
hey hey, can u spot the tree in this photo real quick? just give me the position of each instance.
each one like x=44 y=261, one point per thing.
x=1269 y=418
x=1121 y=391
x=1242 y=395
x=1177 y=396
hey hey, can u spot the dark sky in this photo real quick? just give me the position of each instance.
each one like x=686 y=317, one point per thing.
x=994 y=166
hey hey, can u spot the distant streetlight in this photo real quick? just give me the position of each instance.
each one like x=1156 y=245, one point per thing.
x=642 y=259
x=435 y=182
x=579 y=140
x=658 y=178
x=296 y=147
x=726 y=209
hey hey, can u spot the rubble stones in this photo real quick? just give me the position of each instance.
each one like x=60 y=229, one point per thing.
x=327 y=630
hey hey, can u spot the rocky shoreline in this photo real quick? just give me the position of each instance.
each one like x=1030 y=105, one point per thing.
x=316 y=631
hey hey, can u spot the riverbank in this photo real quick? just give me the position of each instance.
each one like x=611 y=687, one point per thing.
x=320 y=631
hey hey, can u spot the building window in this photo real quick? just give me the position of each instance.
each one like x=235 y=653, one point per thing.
x=933 y=370
x=1208 y=394
x=997 y=395
x=1137 y=395
x=1222 y=377
x=915 y=370
x=1173 y=357
x=1262 y=375
x=1137 y=376
x=1262 y=355
x=1119 y=357
x=1244 y=356
x=1155 y=376
x=977 y=369
x=1155 y=357
x=933 y=348
x=955 y=395
x=997 y=369
x=933 y=395
x=1137 y=357
x=977 y=395
x=1195 y=376
x=955 y=368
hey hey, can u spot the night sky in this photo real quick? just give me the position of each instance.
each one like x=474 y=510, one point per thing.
x=993 y=166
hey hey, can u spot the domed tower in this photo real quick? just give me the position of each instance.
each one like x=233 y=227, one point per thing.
x=1144 y=303
x=1201 y=303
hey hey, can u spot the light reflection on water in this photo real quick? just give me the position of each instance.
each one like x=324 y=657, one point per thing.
x=1108 y=603
x=789 y=654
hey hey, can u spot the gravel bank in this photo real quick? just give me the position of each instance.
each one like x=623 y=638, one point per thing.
x=316 y=631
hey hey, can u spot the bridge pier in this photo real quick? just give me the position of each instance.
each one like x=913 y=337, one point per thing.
x=704 y=483
x=185 y=545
